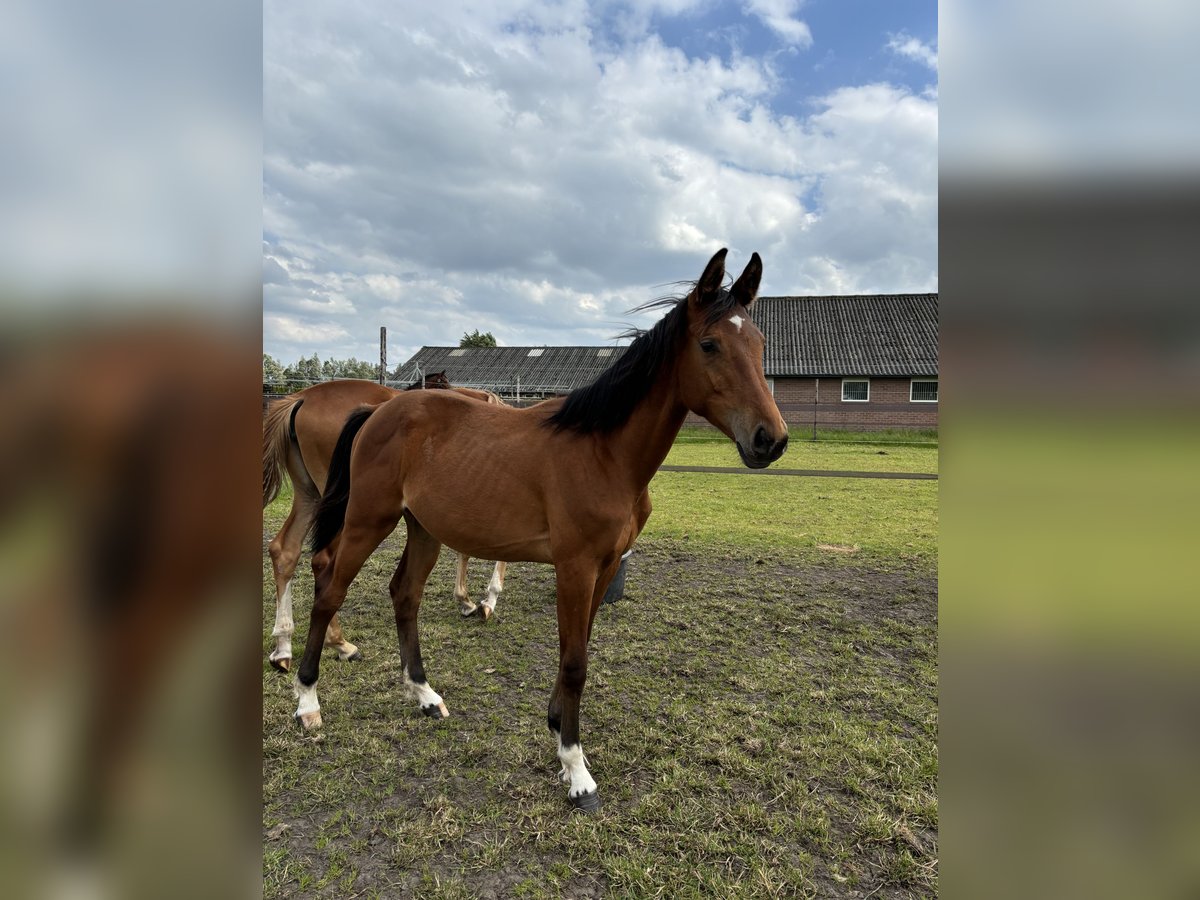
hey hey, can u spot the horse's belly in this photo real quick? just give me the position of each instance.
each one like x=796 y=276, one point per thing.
x=481 y=531
x=532 y=551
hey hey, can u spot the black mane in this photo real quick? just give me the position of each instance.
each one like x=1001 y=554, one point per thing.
x=609 y=401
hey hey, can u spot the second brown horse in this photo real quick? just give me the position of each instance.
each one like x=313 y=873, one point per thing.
x=299 y=435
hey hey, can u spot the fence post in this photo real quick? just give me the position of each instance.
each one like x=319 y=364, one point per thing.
x=382 y=353
x=816 y=398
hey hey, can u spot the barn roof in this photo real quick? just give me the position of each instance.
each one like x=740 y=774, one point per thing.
x=555 y=370
x=860 y=334
x=865 y=334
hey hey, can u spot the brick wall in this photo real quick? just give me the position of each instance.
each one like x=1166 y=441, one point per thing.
x=800 y=399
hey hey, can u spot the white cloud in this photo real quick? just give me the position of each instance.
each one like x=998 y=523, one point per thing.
x=904 y=44
x=527 y=177
x=779 y=16
x=291 y=331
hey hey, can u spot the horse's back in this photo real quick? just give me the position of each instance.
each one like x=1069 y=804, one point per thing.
x=322 y=415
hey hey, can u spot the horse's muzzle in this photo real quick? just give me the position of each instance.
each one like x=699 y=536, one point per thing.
x=763 y=450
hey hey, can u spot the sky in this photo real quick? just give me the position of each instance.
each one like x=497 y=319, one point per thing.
x=537 y=169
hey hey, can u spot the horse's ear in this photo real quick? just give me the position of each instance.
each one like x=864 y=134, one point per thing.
x=709 y=285
x=745 y=289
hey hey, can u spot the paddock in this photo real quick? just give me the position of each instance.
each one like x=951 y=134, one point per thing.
x=764 y=705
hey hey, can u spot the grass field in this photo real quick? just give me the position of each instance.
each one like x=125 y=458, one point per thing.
x=760 y=714
x=845 y=451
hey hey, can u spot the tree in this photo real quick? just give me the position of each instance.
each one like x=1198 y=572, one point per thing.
x=272 y=374
x=475 y=339
x=300 y=375
x=349 y=368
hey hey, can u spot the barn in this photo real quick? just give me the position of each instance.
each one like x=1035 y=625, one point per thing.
x=853 y=362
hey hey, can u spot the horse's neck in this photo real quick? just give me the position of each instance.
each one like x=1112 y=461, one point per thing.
x=644 y=441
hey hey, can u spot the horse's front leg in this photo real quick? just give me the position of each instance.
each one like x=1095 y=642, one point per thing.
x=580 y=589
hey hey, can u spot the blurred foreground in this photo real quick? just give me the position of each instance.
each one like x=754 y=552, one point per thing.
x=129 y=422
x=129 y=541
x=1069 y=625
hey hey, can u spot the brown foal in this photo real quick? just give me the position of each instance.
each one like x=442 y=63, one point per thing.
x=563 y=482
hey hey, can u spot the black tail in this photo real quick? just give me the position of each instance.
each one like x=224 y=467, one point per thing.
x=331 y=510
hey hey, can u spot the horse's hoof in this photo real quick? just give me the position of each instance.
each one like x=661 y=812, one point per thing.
x=437 y=711
x=466 y=612
x=356 y=656
x=588 y=802
x=282 y=665
x=486 y=612
x=309 y=721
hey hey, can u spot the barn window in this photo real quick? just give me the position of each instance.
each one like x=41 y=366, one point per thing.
x=607 y=351
x=460 y=352
x=771 y=386
x=856 y=390
x=924 y=390
x=536 y=351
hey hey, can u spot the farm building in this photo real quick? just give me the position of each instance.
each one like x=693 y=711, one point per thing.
x=854 y=362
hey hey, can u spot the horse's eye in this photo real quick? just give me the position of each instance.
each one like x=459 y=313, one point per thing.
x=708 y=346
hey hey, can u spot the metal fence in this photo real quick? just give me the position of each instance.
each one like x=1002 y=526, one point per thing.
x=807 y=421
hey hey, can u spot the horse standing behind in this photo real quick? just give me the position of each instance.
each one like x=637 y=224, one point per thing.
x=299 y=435
x=563 y=482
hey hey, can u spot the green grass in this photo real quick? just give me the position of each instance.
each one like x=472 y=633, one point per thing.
x=760 y=716
x=861 y=453
x=915 y=436
x=886 y=524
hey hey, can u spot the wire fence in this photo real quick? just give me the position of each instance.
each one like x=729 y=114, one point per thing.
x=807 y=421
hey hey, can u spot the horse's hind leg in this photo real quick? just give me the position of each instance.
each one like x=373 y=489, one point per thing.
x=285 y=551
x=495 y=588
x=408 y=583
x=285 y=554
x=333 y=570
x=465 y=604
x=335 y=639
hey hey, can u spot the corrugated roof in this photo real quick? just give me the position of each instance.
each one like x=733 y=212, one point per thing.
x=864 y=334
x=553 y=370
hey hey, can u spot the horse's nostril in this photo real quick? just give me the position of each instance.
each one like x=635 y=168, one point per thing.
x=762 y=441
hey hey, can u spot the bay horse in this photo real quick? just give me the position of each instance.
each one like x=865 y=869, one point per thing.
x=299 y=434
x=563 y=482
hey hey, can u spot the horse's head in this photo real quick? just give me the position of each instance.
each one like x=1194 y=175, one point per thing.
x=433 y=380
x=721 y=364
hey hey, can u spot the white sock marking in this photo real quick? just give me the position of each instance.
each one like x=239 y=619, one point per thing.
x=284 y=625
x=737 y=322
x=495 y=587
x=283 y=613
x=307 y=697
x=424 y=694
x=574 y=769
